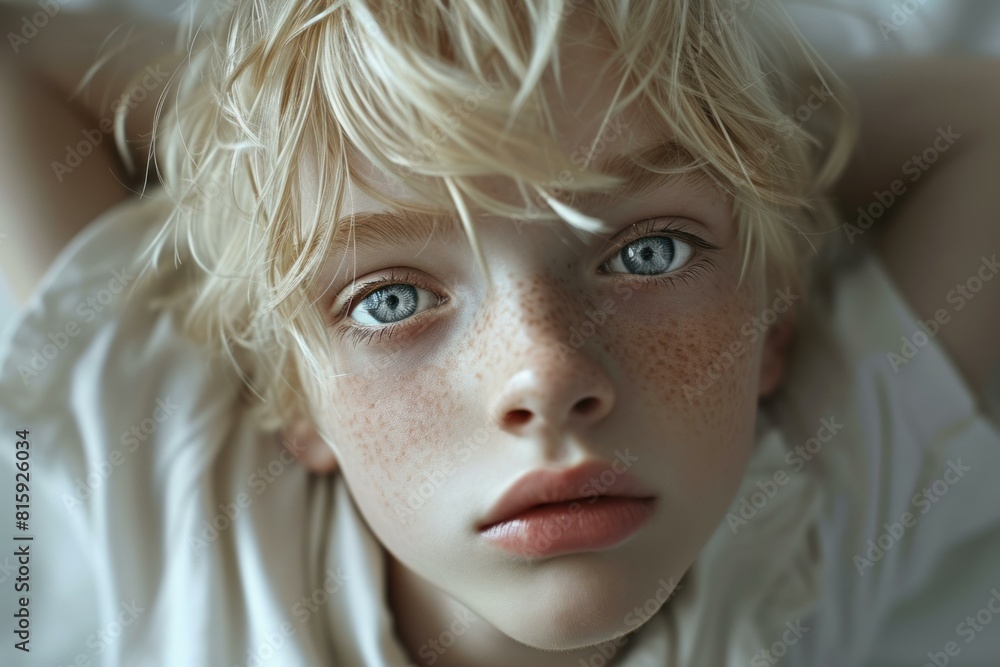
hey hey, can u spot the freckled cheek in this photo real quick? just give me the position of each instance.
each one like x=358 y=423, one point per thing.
x=699 y=390
x=394 y=434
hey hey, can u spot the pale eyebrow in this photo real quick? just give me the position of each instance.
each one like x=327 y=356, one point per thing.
x=372 y=231
x=634 y=167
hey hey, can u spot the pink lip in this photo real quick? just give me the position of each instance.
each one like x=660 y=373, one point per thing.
x=550 y=512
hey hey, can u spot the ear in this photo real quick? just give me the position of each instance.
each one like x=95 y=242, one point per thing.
x=776 y=355
x=309 y=448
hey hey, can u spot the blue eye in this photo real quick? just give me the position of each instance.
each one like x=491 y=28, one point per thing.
x=390 y=304
x=652 y=255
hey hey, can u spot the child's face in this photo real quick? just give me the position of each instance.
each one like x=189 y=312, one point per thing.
x=575 y=357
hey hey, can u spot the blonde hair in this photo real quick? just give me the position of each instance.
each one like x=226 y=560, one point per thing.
x=277 y=92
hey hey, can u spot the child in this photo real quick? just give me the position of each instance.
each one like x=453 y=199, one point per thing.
x=462 y=334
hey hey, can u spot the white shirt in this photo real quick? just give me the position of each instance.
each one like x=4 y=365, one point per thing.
x=168 y=531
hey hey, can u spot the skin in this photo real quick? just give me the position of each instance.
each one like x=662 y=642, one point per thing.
x=498 y=362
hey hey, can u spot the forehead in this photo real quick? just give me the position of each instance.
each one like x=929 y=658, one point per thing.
x=580 y=91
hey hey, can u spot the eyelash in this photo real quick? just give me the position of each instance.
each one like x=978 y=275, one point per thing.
x=363 y=335
x=358 y=336
x=699 y=263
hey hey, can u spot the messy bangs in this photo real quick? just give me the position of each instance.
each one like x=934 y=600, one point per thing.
x=284 y=105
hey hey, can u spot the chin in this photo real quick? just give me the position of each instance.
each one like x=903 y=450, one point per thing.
x=577 y=601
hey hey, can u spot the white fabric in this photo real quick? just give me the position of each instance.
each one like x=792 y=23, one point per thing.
x=133 y=552
x=905 y=432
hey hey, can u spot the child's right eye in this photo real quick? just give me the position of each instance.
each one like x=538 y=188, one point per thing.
x=392 y=303
x=380 y=306
x=377 y=307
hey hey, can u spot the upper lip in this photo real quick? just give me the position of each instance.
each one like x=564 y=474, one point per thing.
x=547 y=485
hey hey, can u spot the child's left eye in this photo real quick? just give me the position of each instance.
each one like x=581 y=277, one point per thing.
x=651 y=255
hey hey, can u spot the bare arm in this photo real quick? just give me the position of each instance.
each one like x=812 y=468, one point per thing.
x=929 y=157
x=60 y=166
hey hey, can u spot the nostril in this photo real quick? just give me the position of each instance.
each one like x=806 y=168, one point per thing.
x=517 y=417
x=587 y=405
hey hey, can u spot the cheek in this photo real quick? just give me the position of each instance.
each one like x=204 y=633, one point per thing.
x=394 y=433
x=695 y=371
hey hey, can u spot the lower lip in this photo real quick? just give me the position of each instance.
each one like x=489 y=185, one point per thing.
x=572 y=526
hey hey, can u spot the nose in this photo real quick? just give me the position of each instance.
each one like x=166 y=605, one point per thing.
x=548 y=381
x=549 y=394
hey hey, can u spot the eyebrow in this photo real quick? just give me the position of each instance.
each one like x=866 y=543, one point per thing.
x=641 y=170
x=394 y=228
x=371 y=230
